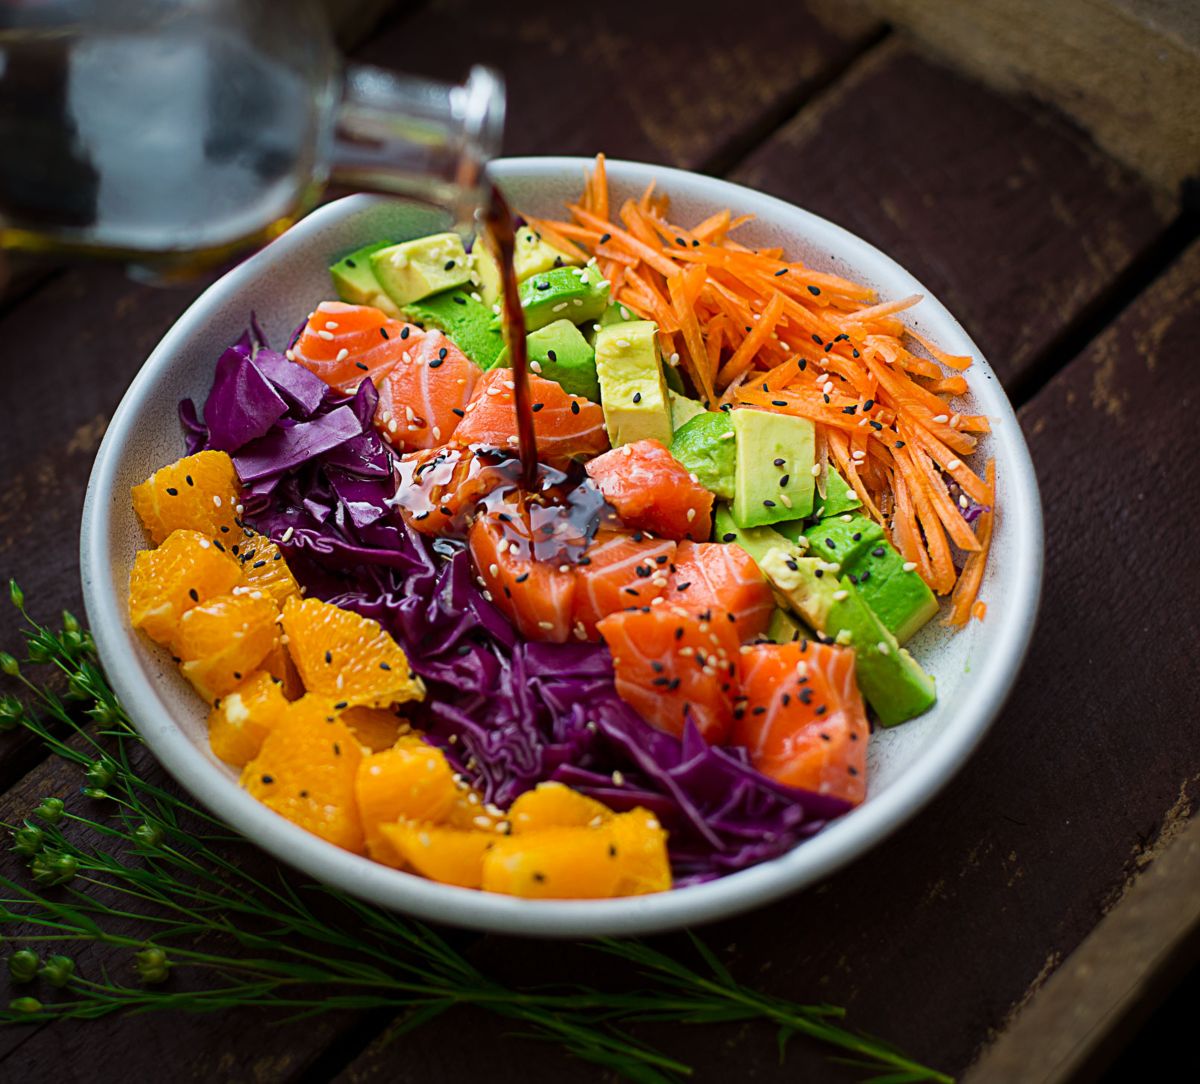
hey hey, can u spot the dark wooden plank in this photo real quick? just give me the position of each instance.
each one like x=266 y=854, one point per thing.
x=1091 y=1006
x=936 y=936
x=631 y=79
x=1010 y=216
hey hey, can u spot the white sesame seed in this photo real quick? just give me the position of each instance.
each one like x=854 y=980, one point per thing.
x=577 y=301
x=559 y=307
x=290 y=354
x=691 y=514
x=840 y=594
x=883 y=648
x=816 y=469
x=287 y=535
x=963 y=502
x=217 y=500
x=786 y=500
x=941 y=419
x=536 y=366
x=909 y=566
x=547 y=625
x=331 y=325
x=342 y=354
x=625 y=313
x=496 y=310
x=493 y=390
x=326 y=335
x=844 y=637
x=954 y=464
x=204 y=543
x=618 y=779
x=494 y=569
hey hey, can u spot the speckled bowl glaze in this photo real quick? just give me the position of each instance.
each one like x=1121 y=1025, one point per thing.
x=975 y=669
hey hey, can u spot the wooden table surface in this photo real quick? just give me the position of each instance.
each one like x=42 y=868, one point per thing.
x=1081 y=285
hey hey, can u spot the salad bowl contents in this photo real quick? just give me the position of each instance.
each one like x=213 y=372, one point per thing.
x=627 y=623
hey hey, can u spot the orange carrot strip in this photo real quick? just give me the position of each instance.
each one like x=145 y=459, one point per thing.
x=884 y=308
x=627 y=241
x=955 y=361
x=600 y=188
x=970 y=482
x=967 y=588
x=743 y=358
x=695 y=356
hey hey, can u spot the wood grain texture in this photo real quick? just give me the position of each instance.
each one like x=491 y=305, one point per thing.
x=631 y=79
x=1012 y=218
x=935 y=937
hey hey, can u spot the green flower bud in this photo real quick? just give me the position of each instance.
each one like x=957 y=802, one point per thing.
x=12 y=711
x=101 y=772
x=27 y=1005
x=73 y=640
x=51 y=810
x=57 y=970
x=9 y=665
x=53 y=867
x=77 y=688
x=70 y=622
x=98 y=793
x=39 y=652
x=23 y=965
x=148 y=835
x=28 y=840
x=152 y=965
x=16 y=594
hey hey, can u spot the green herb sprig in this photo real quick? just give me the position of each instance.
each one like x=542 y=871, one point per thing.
x=211 y=935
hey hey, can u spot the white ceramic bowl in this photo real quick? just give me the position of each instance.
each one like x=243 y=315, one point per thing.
x=974 y=669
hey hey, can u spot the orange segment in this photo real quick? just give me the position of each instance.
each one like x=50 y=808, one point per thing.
x=449 y=855
x=265 y=570
x=221 y=641
x=555 y=805
x=641 y=844
x=278 y=663
x=347 y=657
x=407 y=782
x=199 y=493
x=376 y=729
x=240 y=720
x=556 y=863
x=305 y=771
x=167 y=582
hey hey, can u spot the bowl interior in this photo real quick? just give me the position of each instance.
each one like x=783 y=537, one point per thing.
x=973 y=668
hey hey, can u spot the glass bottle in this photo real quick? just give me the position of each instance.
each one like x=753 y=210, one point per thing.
x=172 y=133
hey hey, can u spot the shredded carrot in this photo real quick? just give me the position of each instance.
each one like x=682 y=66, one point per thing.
x=750 y=326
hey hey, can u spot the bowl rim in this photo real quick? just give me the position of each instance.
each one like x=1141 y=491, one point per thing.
x=838 y=844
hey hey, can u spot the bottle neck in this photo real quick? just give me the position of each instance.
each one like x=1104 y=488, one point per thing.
x=406 y=136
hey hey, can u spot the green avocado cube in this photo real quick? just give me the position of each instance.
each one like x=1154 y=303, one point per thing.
x=632 y=389
x=785 y=629
x=683 y=409
x=839 y=496
x=844 y=539
x=774 y=481
x=532 y=254
x=415 y=269
x=577 y=294
x=705 y=445
x=356 y=283
x=897 y=595
x=756 y=541
x=559 y=352
x=464 y=319
x=891 y=680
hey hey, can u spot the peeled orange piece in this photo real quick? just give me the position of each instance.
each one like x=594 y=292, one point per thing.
x=198 y=493
x=407 y=782
x=240 y=720
x=166 y=582
x=556 y=863
x=555 y=805
x=452 y=856
x=376 y=729
x=641 y=846
x=305 y=771
x=347 y=657
x=223 y=640
x=264 y=569
x=278 y=663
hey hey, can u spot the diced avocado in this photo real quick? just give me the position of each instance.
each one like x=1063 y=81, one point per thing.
x=356 y=283
x=891 y=680
x=485 y=273
x=683 y=409
x=465 y=320
x=632 y=389
x=616 y=313
x=756 y=541
x=706 y=447
x=900 y=599
x=774 y=479
x=559 y=352
x=844 y=539
x=532 y=254
x=415 y=269
x=785 y=629
x=839 y=497
x=563 y=293
x=808 y=583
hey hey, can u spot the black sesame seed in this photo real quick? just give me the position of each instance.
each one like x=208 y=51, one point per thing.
x=383 y=331
x=442 y=354
x=818 y=572
x=460 y=413
x=683 y=587
x=852 y=769
x=522 y=578
x=404 y=333
x=574 y=408
x=817 y=339
x=899 y=444
x=784 y=481
x=815 y=291
x=878 y=551
x=172 y=491
x=849 y=410
x=385 y=666
x=449 y=266
x=188 y=478
x=679 y=633
x=803 y=364
x=605 y=238
x=328 y=658
x=760 y=710
x=830 y=543
x=436 y=362
x=192 y=593
x=877 y=426
x=868 y=404
x=791 y=563
x=768 y=504
x=539 y=877
x=551 y=355
x=856 y=537
x=361 y=365
x=268 y=779
x=341 y=705
x=337 y=749
x=459 y=299
x=258 y=564
x=782 y=271
x=729 y=536
x=821 y=709
x=778 y=402
x=536 y=407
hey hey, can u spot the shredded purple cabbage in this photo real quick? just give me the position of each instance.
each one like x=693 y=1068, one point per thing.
x=970 y=508
x=508 y=713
